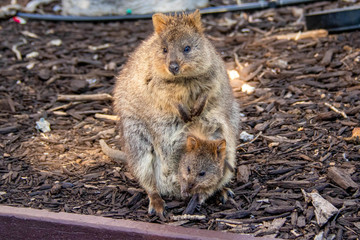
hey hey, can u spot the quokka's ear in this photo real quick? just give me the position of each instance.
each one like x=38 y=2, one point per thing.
x=191 y=143
x=221 y=150
x=159 y=21
x=195 y=20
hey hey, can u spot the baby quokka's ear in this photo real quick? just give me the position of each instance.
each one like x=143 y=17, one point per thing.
x=220 y=150
x=159 y=21
x=191 y=143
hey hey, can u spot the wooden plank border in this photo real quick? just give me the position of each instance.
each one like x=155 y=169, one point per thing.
x=28 y=223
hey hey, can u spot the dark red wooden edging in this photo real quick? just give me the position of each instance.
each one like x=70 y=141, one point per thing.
x=27 y=223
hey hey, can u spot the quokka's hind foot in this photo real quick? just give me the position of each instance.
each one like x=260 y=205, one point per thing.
x=157 y=206
x=225 y=194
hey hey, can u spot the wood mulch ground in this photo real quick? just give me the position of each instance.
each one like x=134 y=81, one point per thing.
x=302 y=114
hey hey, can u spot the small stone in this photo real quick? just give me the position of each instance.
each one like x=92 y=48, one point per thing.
x=43 y=125
x=55 y=189
x=55 y=42
x=32 y=55
x=110 y=66
x=246 y=136
x=67 y=185
x=44 y=74
x=78 y=85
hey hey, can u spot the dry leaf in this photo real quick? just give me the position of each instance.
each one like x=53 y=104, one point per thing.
x=324 y=210
x=273 y=227
x=357 y=224
x=280 y=139
x=236 y=84
x=355 y=136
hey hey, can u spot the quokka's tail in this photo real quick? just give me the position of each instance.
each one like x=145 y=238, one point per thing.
x=112 y=153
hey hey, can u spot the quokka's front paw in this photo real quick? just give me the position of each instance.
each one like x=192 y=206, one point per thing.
x=200 y=103
x=156 y=205
x=202 y=198
x=184 y=113
x=225 y=194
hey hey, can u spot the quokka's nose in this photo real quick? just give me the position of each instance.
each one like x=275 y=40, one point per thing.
x=174 y=68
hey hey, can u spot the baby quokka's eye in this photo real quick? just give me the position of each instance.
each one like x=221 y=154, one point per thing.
x=187 y=49
x=188 y=169
x=202 y=173
x=165 y=50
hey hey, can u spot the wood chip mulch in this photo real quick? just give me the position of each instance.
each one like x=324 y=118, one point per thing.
x=302 y=112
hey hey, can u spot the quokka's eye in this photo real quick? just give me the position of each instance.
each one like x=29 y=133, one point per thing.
x=164 y=50
x=187 y=49
x=202 y=173
x=188 y=169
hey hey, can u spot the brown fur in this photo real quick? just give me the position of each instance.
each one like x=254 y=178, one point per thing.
x=147 y=93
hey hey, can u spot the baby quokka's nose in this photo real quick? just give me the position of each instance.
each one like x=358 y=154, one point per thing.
x=174 y=68
x=190 y=186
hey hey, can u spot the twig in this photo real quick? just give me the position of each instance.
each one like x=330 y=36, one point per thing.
x=52 y=79
x=302 y=35
x=247 y=143
x=88 y=112
x=66 y=106
x=101 y=134
x=29 y=34
x=16 y=51
x=228 y=221
x=260 y=99
x=298 y=36
x=66 y=171
x=336 y=110
x=60 y=113
x=246 y=221
x=350 y=229
x=219 y=39
x=253 y=74
x=258 y=30
x=325 y=157
x=85 y=97
x=352 y=55
x=107 y=117
x=238 y=64
x=188 y=217
x=6 y=130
